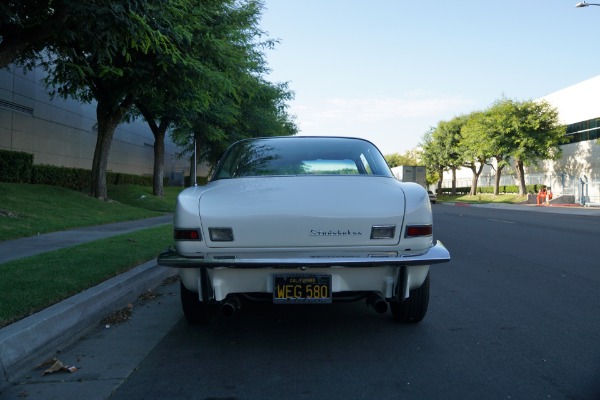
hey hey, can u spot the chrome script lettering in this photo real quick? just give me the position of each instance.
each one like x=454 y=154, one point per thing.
x=317 y=232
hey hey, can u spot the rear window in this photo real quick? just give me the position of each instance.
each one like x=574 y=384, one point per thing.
x=301 y=156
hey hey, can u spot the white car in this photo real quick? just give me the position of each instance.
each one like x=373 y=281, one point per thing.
x=432 y=197
x=296 y=220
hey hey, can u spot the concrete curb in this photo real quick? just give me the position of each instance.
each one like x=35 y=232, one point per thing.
x=30 y=341
x=556 y=209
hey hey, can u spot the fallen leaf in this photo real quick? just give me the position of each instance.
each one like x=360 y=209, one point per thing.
x=55 y=366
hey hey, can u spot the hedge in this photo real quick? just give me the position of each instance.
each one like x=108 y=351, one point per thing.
x=17 y=167
x=505 y=189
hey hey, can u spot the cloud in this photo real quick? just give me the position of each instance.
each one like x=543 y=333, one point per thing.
x=394 y=124
x=377 y=110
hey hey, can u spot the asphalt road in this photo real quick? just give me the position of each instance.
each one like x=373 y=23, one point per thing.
x=514 y=315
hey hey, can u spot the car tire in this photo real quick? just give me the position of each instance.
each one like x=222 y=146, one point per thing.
x=413 y=309
x=195 y=311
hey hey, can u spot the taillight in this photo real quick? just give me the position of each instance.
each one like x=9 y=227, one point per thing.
x=418 y=230
x=187 y=234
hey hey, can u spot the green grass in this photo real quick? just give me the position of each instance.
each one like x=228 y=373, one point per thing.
x=31 y=284
x=142 y=197
x=27 y=210
x=483 y=198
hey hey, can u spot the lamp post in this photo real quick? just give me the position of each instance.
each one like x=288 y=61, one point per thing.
x=584 y=4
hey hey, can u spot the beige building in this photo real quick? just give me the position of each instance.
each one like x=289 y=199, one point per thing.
x=62 y=132
x=577 y=173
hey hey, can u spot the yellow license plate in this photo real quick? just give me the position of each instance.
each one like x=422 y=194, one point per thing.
x=301 y=288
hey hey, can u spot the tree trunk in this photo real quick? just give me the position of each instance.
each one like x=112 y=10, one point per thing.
x=440 y=181
x=159 y=132
x=474 y=179
x=158 y=174
x=497 y=181
x=159 y=161
x=109 y=118
x=476 y=172
x=454 y=181
x=106 y=131
x=521 y=177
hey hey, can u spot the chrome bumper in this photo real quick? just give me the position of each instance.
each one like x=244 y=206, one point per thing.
x=436 y=254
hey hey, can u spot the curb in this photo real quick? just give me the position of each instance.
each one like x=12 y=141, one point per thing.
x=30 y=341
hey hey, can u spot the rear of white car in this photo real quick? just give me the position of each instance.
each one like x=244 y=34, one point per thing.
x=295 y=236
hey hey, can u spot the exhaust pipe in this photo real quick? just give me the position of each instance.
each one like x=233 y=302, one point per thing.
x=378 y=303
x=230 y=306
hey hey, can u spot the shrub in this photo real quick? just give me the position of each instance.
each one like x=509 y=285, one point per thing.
x=15 y=166
x=117 y=178
x=81 y=179
x=70 y=178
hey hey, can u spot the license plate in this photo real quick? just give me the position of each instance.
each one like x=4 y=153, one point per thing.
x=301 y=288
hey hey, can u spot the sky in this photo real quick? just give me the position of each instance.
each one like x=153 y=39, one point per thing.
x=390 y=70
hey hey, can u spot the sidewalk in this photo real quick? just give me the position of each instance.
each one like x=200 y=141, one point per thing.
x=30 y=246
x=569 y=209
x=29 y=341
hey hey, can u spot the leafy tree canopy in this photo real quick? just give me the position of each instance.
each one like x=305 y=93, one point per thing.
x=523 y=131
x=409 y=157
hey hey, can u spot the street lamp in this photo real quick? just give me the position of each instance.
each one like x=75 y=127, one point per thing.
x=584 y=4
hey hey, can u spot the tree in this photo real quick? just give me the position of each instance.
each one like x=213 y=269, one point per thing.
x=176 y=61
x=260 y=110
x=433 y=157
x=441 y=149
x=29 y=26
x=537 y=135
x=107 y=61
x=30 y=29
x=475 y=146
x=187 y=90
x=497 y=123
x=409 y=157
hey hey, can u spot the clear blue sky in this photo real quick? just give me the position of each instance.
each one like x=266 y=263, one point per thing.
x=388 y=70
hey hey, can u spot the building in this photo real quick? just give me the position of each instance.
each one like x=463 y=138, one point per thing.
x=62 y=132
x=577 y=173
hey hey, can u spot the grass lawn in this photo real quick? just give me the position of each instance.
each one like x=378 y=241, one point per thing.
x=27 y=210
x=31 y=284
x=34 y=283
x=483 y=198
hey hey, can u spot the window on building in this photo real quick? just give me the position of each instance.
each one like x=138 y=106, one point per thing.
x=584 y=130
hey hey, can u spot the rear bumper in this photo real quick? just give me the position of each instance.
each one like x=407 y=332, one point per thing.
x=436 y=254
x=394 y=277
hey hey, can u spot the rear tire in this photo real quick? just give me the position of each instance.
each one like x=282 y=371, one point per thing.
x=413 y=309
x=196 y=311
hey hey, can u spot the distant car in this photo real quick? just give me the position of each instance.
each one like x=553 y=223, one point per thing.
x=432 y=197
x=298 y=220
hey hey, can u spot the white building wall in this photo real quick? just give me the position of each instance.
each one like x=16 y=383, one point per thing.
x=578 y=102
x=62 y=132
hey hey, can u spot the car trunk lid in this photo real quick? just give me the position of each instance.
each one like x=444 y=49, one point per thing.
x=305 y=211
